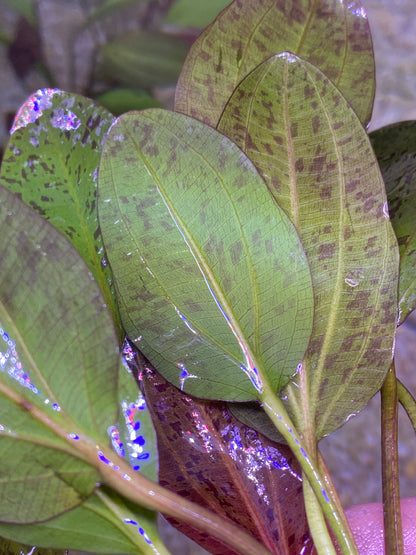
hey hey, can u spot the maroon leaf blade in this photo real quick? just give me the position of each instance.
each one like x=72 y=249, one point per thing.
x=209 y=457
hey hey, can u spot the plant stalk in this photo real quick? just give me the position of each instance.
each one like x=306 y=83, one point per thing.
x=278 y=414
x=393 y=537
x=134 y=486
x=317 y=525
x=407 y=401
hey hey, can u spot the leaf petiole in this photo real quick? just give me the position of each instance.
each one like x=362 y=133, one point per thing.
x=277 y=413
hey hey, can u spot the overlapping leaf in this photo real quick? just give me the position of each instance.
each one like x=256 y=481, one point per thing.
x=212 y=280
x=317 y=161
x=334 y=36
x=106 y=523
x=54 y=331
x=395 y=148
x=51 y=162
x=58 y=398
x=209 y=457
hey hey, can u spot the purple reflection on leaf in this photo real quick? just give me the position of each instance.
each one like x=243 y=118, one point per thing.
x=209 y=457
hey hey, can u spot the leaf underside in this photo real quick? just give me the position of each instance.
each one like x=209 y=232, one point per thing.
x=211 y=277
x=334 y=36
x=55 y=330
x=317 y=161
x=395 y=148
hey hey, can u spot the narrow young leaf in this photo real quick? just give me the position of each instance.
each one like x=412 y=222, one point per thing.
x=145 y=59
x=195 y=13
x=207 y=456
x=51 y=162
x=59 y=366
x=213 y=284
x=334 y=36
x=316 y=158
x=395 y=148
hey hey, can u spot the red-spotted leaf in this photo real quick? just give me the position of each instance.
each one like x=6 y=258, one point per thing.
x=334 y=36
x=395 y=148
x=207 y=456
x=317 y=160
x=213 y=284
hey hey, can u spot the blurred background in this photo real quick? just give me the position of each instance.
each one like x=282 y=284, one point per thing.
x=127 y=54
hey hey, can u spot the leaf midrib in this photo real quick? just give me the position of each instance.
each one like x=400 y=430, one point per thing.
x=201 y=260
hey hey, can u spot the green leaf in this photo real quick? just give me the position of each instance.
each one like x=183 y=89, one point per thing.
x=213 y=284
x=316 y=158
x=334 y=36
x=105 y=523
x=51 y=162
x=143 y=59
x=119 y=101
x=395 y=148
x=195 y=13
x=97 y=526
x=59 y=359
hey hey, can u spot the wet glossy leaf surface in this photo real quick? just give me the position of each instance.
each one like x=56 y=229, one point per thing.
x=51 y=161
x=53 y=325
x=206 y=455
x=212 y=280
x=333 y=35
x=318 y=162
x=395 y=148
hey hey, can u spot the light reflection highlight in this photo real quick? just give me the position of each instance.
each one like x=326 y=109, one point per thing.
x=11 y=365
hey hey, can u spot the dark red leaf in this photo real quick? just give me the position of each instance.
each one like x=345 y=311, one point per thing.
x=208 y=456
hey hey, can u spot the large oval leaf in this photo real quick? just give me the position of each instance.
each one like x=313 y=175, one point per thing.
x=206 y=455
x=54 y=332
x=317 y=161
x=51 y=161
x=395 y=148
x=213 y=283
x=334 y=36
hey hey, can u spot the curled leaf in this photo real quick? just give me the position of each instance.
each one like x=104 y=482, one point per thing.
x=395 y=148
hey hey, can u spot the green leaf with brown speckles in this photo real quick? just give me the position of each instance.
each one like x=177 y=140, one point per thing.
x=335 y=36
x=51 y=162
x=212 y=280
x=317 y=160
x=395 y=148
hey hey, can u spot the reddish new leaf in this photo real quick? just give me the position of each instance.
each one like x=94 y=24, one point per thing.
x=209 y=457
